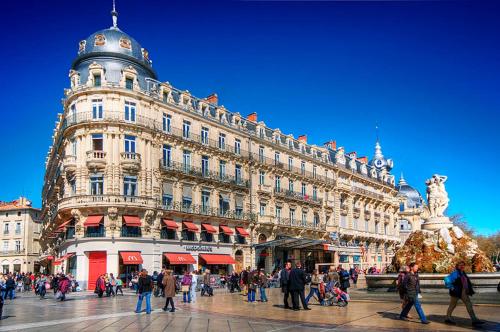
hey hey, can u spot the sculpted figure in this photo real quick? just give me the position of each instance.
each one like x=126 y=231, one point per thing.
x=437 y=197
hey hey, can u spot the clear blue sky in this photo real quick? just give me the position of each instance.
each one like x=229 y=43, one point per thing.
x=427 y=72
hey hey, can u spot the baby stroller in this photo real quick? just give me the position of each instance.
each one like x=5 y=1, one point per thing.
x=334 y=296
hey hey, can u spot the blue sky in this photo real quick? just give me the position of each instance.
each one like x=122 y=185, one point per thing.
x=426 y=72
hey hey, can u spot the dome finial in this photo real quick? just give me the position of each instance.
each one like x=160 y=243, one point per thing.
x=114 y=15
x=402 y=180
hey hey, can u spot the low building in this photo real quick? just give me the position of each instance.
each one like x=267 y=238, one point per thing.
x=20 y=236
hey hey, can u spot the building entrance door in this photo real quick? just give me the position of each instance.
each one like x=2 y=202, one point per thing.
x=97 y=266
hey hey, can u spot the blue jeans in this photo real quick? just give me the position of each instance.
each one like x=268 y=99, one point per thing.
x=251 y=295
x=11 y=293
x=146 y=295
x=313 y=291
x=186 y=297
x=263 y=296
x=413 y=301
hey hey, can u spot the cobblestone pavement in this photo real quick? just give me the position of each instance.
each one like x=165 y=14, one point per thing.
x=231 y=312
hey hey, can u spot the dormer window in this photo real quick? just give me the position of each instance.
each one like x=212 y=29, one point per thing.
x=129 y=83
x=97 y=80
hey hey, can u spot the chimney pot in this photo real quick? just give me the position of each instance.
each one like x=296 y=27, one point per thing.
x=252 y=117
x=213 y=99
x=303 y=139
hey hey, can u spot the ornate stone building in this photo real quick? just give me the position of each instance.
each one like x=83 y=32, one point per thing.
x=21 y=226
x=142 y=174
x=412 y=209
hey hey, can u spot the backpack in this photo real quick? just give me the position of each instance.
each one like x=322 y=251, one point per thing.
x=308 y=278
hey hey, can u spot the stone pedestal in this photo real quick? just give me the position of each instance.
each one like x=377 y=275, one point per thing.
x=436 y=223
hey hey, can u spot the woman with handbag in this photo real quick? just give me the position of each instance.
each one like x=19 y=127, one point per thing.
x=186 y=287
x=100 y=286
x=169 y=289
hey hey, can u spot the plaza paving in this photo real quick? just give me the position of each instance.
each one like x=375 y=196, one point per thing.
x=230 y=312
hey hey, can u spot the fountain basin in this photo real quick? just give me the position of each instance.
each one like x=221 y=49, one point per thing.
x=433 y=282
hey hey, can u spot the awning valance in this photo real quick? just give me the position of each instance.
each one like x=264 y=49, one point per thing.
x=170 y=224
x=190 y=226
x=179 y=258
x=93 y=221
x=209 y=228
x=217 y=259
x=243 y=232
x=226 y=230
x=131 y=257
x=133 y=221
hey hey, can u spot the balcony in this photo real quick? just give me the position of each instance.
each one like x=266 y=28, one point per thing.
x=130 y=161
x=205 y=174
x=208 y=211
x=296 y=196
x=84 y=201
x=69 y=164
x=299 y=224
x=96 y=159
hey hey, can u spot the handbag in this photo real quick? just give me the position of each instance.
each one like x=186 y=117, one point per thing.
x=47 y=285
x=185 y=288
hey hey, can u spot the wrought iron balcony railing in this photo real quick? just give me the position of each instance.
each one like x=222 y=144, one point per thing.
x=209 y=211
x=297 y=196
x=203 y=173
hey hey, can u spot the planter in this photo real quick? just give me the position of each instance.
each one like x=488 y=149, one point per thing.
x=430 y=282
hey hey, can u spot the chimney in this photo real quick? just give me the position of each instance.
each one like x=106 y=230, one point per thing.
x=303 y=139
x=332 y=145
x=352 y=154
x=252 y=117
x=364 y=160
x=213 y=99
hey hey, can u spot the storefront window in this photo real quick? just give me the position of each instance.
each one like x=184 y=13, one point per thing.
x=17 y=268
x=72 y=265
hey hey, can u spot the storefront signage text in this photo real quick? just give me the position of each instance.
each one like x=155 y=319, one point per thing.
x=198 y=248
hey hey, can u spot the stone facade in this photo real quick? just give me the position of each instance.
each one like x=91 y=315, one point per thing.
x=139 y=147
x=20 y=236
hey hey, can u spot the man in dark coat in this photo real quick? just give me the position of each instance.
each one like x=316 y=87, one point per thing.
x=296 y=284
x=284 y=276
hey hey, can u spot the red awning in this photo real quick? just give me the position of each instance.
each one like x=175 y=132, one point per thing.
x=226 y=230
x=66 y=256
x=170 y=224
x=57 y=262
x=177 y=258
x=93 y=221
x=49 y=258
x=134 y=221
x=214 y=259
x=209 y=228
x=242 y=231
x=190 y=226
x=131 y=257
x=64 y=224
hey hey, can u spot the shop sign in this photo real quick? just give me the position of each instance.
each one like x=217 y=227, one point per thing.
x=195 y=247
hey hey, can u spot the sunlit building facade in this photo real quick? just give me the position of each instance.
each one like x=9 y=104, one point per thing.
x=144 y=175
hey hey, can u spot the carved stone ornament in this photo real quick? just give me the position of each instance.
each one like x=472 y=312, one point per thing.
x=149 y=217
x=81 y=46
x=145 y=54
x=352 y=164
x=373 y=172
x=99 y=40
x=125 y=43
x=77 y=215
x=340 y=157
x=113 y=213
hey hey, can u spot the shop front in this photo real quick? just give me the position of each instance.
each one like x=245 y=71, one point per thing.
x=217 y=263
x=129 y=263
x=178 y=262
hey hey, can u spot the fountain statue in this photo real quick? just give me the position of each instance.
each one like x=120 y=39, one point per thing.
x=439 y=245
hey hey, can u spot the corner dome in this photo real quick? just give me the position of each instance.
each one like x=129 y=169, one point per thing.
x=114 y=50
x=413 y=197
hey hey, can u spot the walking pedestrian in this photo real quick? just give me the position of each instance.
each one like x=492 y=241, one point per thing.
x=100 y=286
x=169 y=289
x=194 y=284
x=263 y=284
x=119 y=285
x=460 y=287
x=64 y=285
x=296 y=284
x=253 y=282
x=145 y=287
x=10 y=288
x=344 y=279
x=354 y=272
x=284 y=277
x=112 y=284
x=403 y=271
x=411 y=284
x=186 y=287
x=314 y=288
x=244 y=280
